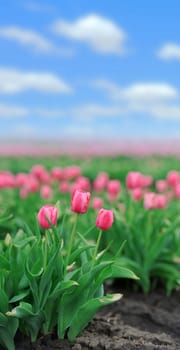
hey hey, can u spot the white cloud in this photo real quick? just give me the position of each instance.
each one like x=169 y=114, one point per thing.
x=159 y=100
x=27 y=37
x=169 y=51
x=138 y=91
x=10 y=111
x=100 y=33
x=14 y=81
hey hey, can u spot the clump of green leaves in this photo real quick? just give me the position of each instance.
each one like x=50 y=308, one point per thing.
x=41 y=288
x=152 y=244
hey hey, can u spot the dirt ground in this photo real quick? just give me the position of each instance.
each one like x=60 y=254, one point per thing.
x=136 y=322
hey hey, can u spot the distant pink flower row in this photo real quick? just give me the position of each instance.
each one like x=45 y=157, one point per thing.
x=70 y=179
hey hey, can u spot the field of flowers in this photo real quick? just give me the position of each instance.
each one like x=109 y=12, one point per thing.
x=69 y=225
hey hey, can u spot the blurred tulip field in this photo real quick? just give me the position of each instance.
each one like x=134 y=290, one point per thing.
x=67 y=223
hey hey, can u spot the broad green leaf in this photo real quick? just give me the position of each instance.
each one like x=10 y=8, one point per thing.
x=87 y=312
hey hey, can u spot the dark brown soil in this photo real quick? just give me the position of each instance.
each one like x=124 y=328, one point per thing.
x=136 y=322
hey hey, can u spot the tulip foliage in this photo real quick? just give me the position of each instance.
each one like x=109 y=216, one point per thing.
x=46 y=284
x=55 y=258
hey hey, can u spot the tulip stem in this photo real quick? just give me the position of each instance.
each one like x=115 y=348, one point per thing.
x=45 y=250
x=96 y=248
x=72 y=238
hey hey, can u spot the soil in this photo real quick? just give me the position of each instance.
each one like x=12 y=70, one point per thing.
x=136 y=322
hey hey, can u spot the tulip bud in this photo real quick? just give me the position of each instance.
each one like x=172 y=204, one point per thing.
x=104 y=219
x=80 y=201
x=46 y=192
x=97 y=203
x=47 y=212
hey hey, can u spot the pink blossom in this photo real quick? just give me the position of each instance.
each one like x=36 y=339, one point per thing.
x=80 y=201
x=97 y=203
x=104 y=219
x=47 y=212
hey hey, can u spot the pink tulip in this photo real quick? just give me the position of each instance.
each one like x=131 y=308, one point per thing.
x=173 y=177
x=7 y=180
x=147 y=181
x=113 y=187
x=137 y=193
x=161 y=185
x=32 y=184
x=64 y=187
x=47 y=212
x=150 y=200
x=100 y=182
x=161 y=201
x=21 y=179
x=83 y=183
x=46 y=192
x=177 y=191
x=57 y=174
x=72 y=172
x=134 y=180
x=104 y=219
x=80 y=201
x=97 y=203
x=153 y=201
x=37 y=170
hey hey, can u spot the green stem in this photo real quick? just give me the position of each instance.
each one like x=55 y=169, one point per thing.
x=45 y=250
x=96 y=247
x=72 y=238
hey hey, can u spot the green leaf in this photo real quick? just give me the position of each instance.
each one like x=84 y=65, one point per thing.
x=4 y=263
x=70 y=303
x=22 y=311
x=6 y=339
x=19 y=296
x=61 y=287
x=87 y=312
x=78 y=252
x=3 y=320
x=3 y=301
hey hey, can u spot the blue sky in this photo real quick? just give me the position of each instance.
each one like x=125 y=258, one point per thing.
x=89 y=69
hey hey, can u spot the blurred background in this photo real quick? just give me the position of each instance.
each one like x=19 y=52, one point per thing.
x=89 y=76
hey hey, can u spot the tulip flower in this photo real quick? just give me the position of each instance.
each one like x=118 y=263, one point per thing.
x=97 y=203
x=173 y=177
x=161 y=185
x=113 y=187
x=134 y=180
x=104 y=219
x=100 y=182
x=137 y=193
x=48 y=213
x=46 y=192
x=80 y=201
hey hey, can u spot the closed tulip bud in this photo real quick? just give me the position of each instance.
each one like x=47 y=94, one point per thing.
x=134 y=180
x=46 y=192
x=137 y=194
x=97 y=203
x=57 y=173
x=161 y=201
x=47 y=213
x=64 y=186
x=113 y=187
x=161 y=185
x=100 y=182
x=104 y=219
x=80 y=201
x=173 y=178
